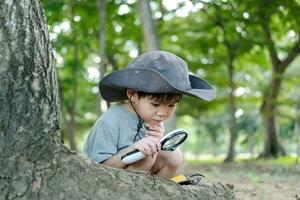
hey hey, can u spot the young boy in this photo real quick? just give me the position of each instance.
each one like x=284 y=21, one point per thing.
x=150 y=88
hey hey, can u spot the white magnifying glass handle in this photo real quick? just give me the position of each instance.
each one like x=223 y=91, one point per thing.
x=132 y=157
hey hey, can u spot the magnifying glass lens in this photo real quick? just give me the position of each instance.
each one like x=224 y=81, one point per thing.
x=173 y=142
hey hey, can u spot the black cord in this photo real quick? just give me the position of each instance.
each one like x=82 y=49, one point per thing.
x=140 y=123
x=139 y=126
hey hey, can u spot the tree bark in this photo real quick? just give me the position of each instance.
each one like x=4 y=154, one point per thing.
x=33 y=162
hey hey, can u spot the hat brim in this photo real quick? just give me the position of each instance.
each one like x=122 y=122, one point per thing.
x=200 y=89
x=113 y=86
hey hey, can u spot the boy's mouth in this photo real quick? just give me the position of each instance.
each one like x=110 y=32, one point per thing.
x=157 y=121
x=154 y=122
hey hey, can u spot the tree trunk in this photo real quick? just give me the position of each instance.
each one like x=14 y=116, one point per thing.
x=101 y=7
x=297 y=131
x=72 y=123
x=271 y=143
x=148 y=27
x=71 y=109
x=33 y=163
x=272 y=147
x=231 y=52
x=251 y=143
x=232 y=120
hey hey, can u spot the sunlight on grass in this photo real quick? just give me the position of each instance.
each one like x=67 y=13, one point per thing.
x=240 y=158
x=202 y=158
x=285 y=160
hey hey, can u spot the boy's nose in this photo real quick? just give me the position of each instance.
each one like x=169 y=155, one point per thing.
x=159 y=114
x=162 y=113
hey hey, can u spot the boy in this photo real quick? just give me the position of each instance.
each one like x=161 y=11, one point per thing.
x=150 y=88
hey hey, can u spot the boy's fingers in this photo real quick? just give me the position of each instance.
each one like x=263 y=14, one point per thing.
x=146 y=150
x=143 y=147
x=158 y=146
x=155 y=134
x=154 y=128
x=149 y=145
x=153 y=144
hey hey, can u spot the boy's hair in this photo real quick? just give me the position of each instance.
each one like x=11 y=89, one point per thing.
x=161 y=97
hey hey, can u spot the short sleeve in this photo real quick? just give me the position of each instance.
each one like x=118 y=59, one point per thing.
x=101 y=142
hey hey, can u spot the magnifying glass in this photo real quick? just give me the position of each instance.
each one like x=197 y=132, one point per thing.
x=168 y=143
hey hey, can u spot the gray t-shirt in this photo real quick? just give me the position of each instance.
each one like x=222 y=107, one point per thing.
x=113 y=131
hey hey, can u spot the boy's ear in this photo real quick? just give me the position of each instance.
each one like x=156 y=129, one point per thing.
x=130 y=94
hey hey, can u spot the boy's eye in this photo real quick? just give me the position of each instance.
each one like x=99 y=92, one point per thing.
x=171 y=105
x=155 y=104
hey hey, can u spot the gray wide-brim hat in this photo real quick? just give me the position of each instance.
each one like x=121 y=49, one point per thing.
x=155 y=72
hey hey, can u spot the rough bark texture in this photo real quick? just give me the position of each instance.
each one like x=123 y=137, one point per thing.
x=33 y=163
x=68 y=176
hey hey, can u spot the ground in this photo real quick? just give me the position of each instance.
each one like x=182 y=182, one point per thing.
x=253 y=180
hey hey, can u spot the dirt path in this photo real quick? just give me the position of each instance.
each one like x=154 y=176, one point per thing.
x=254 y=181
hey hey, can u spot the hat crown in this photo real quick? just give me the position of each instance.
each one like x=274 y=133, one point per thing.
x=170 y=66
x=155 y=72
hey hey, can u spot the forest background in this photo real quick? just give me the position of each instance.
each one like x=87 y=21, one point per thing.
x=248 y=51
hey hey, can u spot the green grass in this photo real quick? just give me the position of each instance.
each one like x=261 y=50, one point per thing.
x=210 y=159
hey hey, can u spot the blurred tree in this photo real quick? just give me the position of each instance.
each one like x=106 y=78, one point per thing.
x=74 y=65
x=231 y=47
x=225 y=21
x=101 y=7
x=247 y=28
x=248 y=124
x=297 y=131
x=268 y=12
x=148 y=27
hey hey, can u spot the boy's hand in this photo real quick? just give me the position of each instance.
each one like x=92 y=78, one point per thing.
x=154 y=131
x=149 y=145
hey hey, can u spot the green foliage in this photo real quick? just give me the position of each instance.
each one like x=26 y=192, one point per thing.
x=200 y=37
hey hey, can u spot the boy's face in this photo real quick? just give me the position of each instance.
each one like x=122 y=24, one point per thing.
x=152 y=111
